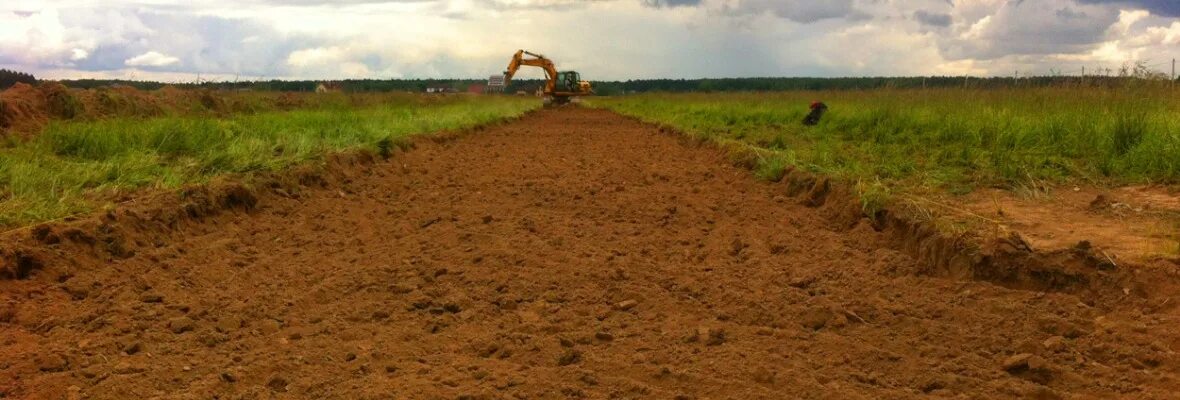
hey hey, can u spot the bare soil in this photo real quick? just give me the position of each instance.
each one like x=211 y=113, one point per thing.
x=570 y=254
x=1136 y=224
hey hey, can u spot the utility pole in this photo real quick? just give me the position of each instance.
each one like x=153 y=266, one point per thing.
x=1173 y=72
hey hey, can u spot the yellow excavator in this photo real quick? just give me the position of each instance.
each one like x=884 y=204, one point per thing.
x=559 y=86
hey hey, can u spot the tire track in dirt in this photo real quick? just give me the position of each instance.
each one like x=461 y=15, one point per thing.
x=571 y=254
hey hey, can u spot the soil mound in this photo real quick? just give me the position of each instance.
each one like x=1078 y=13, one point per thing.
x=25 y=109
x=22 y=109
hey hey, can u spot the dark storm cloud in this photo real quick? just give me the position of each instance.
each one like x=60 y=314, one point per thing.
x=803 y=11
x=799 y=11
x=1167 y=8
x=933 y=19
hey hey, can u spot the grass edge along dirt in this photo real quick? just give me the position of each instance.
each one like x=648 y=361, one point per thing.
x=939 y=140
x=73 y=167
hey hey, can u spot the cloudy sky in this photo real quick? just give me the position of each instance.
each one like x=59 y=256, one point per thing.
x=603 y=39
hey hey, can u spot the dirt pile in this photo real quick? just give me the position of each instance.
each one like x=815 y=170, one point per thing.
x=26 y=109
x=23 y=108
x=571 y=254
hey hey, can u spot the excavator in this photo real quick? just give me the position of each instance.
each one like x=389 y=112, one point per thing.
x=559 y=86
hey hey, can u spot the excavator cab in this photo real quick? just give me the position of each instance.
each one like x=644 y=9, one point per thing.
x=568 y=81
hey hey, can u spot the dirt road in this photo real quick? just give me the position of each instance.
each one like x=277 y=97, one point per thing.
x=570 y=254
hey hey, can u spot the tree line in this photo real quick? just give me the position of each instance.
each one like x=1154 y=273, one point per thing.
x=767 y=84
x=9 y=78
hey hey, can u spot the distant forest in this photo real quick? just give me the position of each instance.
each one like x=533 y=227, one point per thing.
x=648 y=85
x=8 y=78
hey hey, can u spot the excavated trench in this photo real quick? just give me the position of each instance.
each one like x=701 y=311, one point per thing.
x=573 y=253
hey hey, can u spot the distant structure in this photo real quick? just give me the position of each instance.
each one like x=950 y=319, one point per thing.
x=477 y=88
x=328 y=87
x=495 y=84
x=441 y=89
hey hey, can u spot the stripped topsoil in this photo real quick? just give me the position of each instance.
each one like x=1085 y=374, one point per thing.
x=570 y=254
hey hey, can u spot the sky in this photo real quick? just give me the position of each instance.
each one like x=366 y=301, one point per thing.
x=181 y=41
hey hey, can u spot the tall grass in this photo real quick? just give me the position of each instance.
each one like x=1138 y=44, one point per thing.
x=75 y=166
x=955 y=139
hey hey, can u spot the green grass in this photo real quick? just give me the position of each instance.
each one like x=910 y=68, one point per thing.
x=75 y=167
x=941 y=139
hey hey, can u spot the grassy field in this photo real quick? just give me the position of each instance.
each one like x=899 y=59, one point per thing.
x=74 y=167
x=941 y=139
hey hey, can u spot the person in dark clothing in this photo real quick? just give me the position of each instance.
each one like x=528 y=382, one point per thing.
x=817 y=110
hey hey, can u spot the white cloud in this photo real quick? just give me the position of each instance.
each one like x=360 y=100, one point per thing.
x=151 y=59
x=314 y=56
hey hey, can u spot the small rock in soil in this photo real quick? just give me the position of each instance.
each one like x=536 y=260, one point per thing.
x=277 y=384
x=180 y=324
x=133 y=347
x=77 y=288
x=1055 y=343
x=1017 y=361
x=932 y=385
x=1037 y=363
x=802 y=282
x=228 y=324
x=763 y=376
x=51 y=363
x=816 y=318
x=716 y=337
x=151 y=298
x=708 y=336
x=269 y=326
x=1025 y=361
x=626 y=305
x=127 y=367
x=7 y=313
x=570 y=356
x=604 y=336
x=401 y=288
